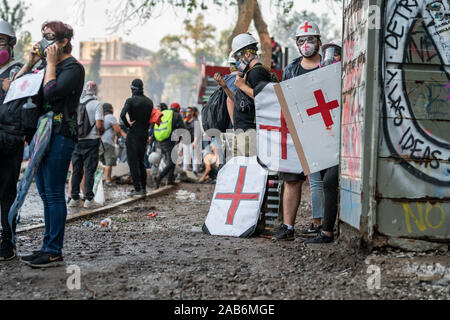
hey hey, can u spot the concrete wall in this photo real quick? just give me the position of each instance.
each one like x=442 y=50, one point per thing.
x=413 y=176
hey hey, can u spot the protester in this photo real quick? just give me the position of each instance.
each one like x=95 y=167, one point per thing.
x=11 y=145
x=244 y=50
x=191 y=150
x=211 y=160
x=109 y=141
x=276 y=54
x=63 y=85
x=85 y=155
x=308 y=43
x=171 y=121
x=139 y=108
x=331 y=53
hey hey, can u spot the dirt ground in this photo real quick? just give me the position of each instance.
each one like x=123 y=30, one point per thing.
x=168 y=257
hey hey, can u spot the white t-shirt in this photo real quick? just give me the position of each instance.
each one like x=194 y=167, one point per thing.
x=95 y=113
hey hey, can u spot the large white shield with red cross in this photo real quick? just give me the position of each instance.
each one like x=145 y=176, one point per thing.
x=311 y=104
x=276 y=149
x=238 y=198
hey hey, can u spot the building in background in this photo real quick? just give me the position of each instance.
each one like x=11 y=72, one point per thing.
x=120 y=63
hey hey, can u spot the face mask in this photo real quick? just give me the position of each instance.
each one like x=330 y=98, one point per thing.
x=44 y=44
x=4 y=56
x=307 y=50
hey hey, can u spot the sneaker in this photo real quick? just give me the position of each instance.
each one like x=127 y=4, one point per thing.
x=321 y=238
x=312 y=230
x=7 y=250
x=75 y=203
x=31 y=257
x=109 y=184
x=90 y=204
x=283 y=233
x=157 y=181
x=47 y=260
x=137 y=193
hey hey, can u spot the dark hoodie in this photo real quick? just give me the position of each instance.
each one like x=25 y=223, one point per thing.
x=139 y=109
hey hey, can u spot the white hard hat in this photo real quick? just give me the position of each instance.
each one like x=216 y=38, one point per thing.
x=7 y=29
x=231 y=59
x=154 y=158
x=307 y=28
x=334 y=43
x=241 y=41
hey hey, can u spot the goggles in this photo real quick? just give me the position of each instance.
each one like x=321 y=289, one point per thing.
x=310 y=39
x=239 y=55
x=49 y=36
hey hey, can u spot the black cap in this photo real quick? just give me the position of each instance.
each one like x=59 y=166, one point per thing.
x=107 y=107
x=137 y=84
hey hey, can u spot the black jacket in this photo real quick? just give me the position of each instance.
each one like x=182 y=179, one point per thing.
x=139 y=109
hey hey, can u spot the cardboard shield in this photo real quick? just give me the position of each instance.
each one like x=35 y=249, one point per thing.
x=311 y=104
x=237 y=200
x=276 y=149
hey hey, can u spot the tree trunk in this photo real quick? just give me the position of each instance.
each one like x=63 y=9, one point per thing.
x=246 y=10
x=264 y=37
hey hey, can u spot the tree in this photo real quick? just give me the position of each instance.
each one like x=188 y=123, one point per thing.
x=95 y=66
x=15 y=15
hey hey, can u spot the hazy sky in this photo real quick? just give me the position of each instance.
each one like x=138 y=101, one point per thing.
x=165 y=20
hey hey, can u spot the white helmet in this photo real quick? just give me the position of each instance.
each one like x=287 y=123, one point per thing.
x=307 y=28
x=241 y=41
x=231 y=59
x=154 y=158
x=334 y=43
x=7 y=29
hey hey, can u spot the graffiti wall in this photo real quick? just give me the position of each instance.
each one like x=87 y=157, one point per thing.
x=413 y=174
x=353 y=97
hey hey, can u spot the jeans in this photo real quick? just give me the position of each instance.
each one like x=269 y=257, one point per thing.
x=136 y=147
x=85 y=156
x=316 y=183
x=330 y=187
x=11 y=154
x=169 y=171
x=51 y=180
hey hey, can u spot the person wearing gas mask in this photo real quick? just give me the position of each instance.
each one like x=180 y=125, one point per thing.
x=308 y=42
x=139 y=109
x=244 y=50
x=62 y=87
x=332 y=52
x=11 y=145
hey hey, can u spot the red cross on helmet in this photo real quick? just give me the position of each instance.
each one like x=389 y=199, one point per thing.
x=307 y=28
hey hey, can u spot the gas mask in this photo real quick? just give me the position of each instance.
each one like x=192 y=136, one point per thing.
x=241 y=63
x=5 y=52
x=330 y=54
x=43 y=45
x=307 y=46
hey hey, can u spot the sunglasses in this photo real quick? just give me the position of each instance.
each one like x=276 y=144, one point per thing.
x=311 y=40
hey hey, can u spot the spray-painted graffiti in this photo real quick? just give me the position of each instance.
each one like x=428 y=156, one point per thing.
x=354 y=88
x=416 y=115
x=426 y=216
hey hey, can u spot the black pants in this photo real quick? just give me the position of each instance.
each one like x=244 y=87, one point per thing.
x=11 y=155
x=136 y=147
x=84 y=156
x=330 y=179
x=169 y=171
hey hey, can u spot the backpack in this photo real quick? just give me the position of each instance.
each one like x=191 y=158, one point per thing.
x=20 y=117
x=84 y=124
x=215 y=113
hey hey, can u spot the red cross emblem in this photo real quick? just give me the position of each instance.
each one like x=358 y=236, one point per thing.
x=284 y=132
x=323 y=108
x=25 y=85
x=237 y=196
x=306 y=27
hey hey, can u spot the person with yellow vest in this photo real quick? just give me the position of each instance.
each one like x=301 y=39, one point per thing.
x=170 y=122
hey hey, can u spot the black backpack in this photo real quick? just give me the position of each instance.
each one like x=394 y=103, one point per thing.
x=84 y=124
x=215 y=112
x=20 y=117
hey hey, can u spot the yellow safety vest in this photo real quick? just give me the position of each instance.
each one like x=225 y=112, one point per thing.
x=164 y=130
